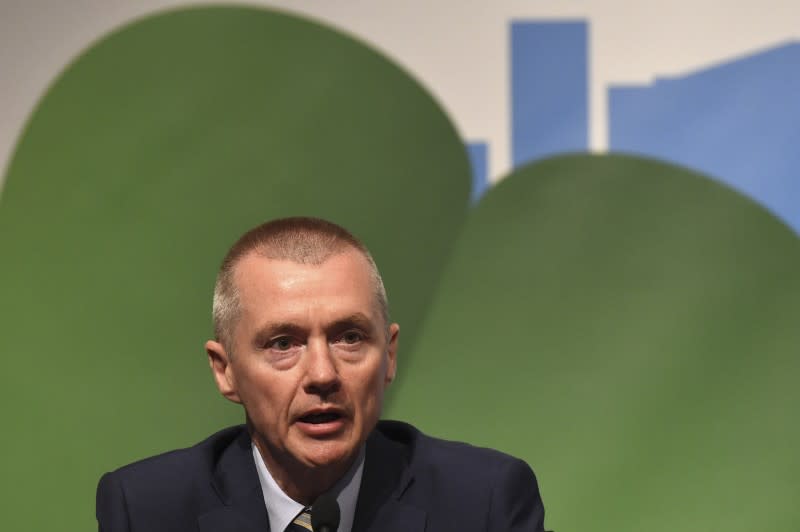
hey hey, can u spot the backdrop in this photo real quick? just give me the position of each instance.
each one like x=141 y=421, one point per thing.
x=595 y=269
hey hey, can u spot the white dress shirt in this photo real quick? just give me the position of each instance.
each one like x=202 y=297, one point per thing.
x=282 y=509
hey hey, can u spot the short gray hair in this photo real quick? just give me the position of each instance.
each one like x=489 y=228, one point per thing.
x=303 y=240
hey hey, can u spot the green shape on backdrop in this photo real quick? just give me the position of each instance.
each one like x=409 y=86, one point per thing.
x=630 y=329
x=624 y=325
x=144 y=161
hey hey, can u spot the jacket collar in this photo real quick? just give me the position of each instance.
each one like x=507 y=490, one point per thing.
x=380 y=507
x=235 y=480
x=387 y=476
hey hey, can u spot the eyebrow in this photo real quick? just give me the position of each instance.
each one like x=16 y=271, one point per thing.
x=271 y=330
x=357 y=320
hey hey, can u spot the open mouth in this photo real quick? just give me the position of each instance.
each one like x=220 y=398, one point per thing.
x=321 y=417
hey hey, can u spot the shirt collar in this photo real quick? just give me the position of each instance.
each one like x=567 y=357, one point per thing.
x=282 y=509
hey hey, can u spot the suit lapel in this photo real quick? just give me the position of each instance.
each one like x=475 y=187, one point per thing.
x=236 y=482
x=386 y=477
x=380 y=507
x=397 y=516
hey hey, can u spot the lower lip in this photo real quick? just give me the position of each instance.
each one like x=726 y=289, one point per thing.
x=317 y=430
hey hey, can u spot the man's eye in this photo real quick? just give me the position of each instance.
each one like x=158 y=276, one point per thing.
x=284 y=343
x=352 y=337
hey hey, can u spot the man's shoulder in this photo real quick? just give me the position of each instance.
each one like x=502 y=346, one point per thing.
x=179 y=475
x=432 y=454
x=459 y=486
x=199 y=458
x=167 y=491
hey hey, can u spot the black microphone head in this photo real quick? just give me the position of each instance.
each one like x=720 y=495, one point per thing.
x=325 y=514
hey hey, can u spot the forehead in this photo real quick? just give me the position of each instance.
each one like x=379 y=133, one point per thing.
x=280 y=289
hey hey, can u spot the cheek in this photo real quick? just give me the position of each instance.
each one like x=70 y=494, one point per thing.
x=265 y=396
x=371 y=385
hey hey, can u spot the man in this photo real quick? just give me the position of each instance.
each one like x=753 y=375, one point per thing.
x=303 y=341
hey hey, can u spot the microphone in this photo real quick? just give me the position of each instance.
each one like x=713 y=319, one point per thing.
x=325 y=514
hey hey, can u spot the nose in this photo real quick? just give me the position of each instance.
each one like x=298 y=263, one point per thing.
x=322 y=377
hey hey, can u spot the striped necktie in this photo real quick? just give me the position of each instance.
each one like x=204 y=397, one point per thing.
x=301 y=523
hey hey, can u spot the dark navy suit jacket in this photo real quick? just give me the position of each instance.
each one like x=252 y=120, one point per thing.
x=411 y=483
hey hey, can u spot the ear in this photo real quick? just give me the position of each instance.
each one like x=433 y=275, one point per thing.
x=391 y=352
x=222 y=370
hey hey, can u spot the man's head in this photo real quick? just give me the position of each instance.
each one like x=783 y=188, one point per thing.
x=303 y=342
x=299 y=239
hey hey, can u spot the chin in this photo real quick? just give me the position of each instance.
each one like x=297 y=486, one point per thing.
x=329 y=453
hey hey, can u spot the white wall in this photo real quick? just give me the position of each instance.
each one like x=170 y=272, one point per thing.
x=457 y=48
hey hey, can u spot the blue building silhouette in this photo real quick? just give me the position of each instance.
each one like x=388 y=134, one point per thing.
x=738 y=122
x=549 y=89
x=549 y=95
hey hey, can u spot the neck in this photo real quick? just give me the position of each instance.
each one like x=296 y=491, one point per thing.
x=302 y=483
